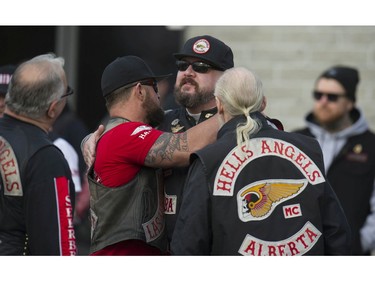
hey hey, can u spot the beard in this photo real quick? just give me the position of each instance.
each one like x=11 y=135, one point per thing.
x=329 y=119
x=154 y=113
x=188 y=100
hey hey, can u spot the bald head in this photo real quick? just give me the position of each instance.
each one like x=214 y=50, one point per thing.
x=35 y=84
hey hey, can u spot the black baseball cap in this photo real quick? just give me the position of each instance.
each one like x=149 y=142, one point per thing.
x=6 y=72
x=210 y=50
x=124 y=71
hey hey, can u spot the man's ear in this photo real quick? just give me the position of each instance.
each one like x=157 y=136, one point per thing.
x=141 y=95
x=219 y=105
x=264 y=104
x=350 y=106
x=53 y=109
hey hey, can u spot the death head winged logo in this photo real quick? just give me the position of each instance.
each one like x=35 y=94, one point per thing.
x=257 y=200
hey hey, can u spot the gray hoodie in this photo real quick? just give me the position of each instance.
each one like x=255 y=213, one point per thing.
x=331 y=144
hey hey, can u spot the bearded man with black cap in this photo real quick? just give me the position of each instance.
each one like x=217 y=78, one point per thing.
x=348 y=150
x=126 y=191
x=201 y=62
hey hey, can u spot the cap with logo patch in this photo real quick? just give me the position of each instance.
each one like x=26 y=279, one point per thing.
x=210 y=50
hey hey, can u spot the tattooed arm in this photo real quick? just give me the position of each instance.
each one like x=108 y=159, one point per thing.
x=171 y=150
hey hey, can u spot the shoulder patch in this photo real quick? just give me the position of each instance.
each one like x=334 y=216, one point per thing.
x=9 y=170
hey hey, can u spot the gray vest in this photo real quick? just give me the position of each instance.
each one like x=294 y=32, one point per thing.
x=132 y=211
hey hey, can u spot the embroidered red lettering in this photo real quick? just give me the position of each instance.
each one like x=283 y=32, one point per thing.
x=170 y=204
x=238 y=158
x=9 y=170
x=65 y=213
x=298 y=244
x=155 y=226
x=292 y=211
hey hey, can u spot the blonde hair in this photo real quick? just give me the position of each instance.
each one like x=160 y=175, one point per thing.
x=241 y=93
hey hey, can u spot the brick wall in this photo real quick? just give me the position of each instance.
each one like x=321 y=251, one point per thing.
x=289 y=59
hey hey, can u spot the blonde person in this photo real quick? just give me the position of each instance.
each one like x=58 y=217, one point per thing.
x=257 y=190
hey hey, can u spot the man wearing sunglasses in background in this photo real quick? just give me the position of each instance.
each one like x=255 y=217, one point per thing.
x=348 y=149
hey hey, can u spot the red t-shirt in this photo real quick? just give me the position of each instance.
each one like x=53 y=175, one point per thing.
x=120 y=154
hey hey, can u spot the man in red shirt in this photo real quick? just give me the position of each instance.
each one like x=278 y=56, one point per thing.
x=126 y=186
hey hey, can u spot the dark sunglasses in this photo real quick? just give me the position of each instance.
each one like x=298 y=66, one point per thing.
x=197 y=66
x=330 y=97
x=69 y=92
x=151 y=83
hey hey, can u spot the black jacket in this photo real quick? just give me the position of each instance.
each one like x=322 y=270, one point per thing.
x=352 y=175
x=36 y=193
x=177 y=121
x=273 y=200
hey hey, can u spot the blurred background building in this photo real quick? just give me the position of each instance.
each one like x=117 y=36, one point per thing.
x=287 y=58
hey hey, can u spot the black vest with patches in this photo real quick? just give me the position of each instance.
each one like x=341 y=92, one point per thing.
x=19 y=141
x=177 y=121
x=267 y=231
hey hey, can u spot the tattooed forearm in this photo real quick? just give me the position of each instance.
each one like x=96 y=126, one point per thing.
x=165 y=147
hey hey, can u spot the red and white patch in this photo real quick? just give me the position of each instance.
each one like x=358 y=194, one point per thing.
x=292 y=211
x=297 y=245
x=155 y=226
x=170 y=204
x=65 y=217
x=239 y=157
x=9 y=170
x=201 y=46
